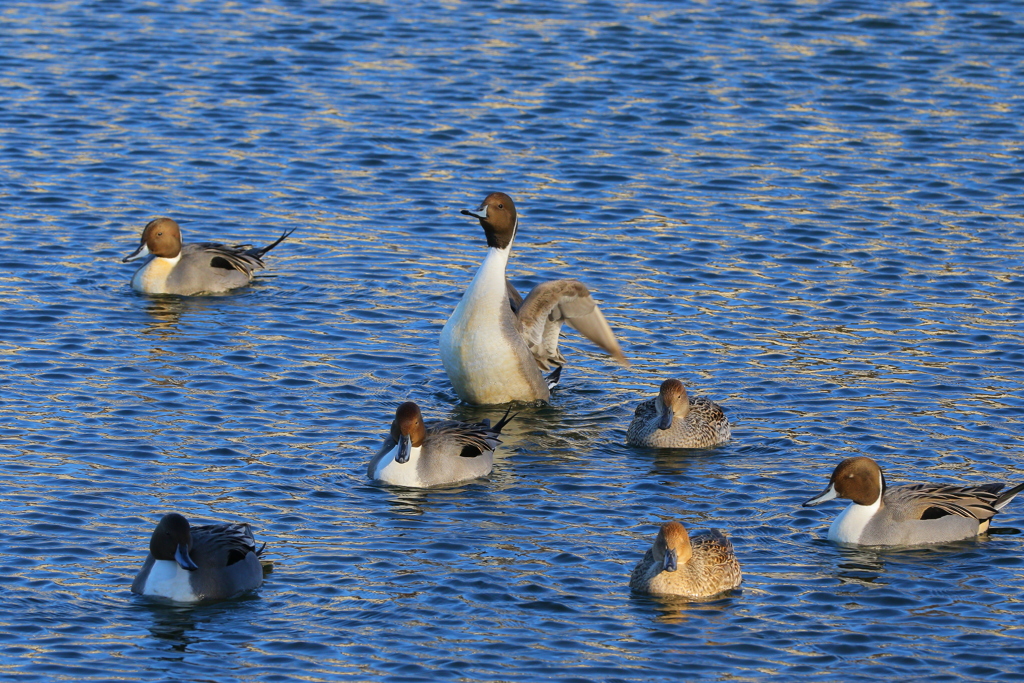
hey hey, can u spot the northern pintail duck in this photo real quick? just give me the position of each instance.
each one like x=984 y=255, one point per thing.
x=695 y=567
x=187 y=269
x=192 y=563
x=496 y=345
x=674 y=420
x=912 y=514
x=421 y=454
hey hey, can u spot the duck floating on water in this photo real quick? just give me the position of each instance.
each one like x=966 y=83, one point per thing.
x=190 y=269
x=496 y=345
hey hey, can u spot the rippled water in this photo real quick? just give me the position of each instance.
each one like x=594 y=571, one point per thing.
x=810 y=212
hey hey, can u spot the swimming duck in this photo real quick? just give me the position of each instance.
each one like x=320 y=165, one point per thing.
x=496 y=345
x=697 y=567
x=421 y=454
x=674 y=420
x=201 y=268
x=192 y=563
x=912 y=514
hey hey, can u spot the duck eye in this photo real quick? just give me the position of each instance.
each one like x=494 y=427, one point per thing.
x=501 y=206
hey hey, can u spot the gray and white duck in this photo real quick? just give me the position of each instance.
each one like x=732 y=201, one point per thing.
x=420 y=454
x=197 y=563
x=496 y=345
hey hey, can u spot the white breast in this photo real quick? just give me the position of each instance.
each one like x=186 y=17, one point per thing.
x=167 y=579
x=399 y=474
x=152 y=277
x=479 y=358
x=848 y=527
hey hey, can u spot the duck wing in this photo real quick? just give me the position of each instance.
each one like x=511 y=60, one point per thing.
x=554 y=302
x=470 y=439
x=646 y=411
x=237 y=257
x=515 y=299
x=222 y=545
x=932 y=501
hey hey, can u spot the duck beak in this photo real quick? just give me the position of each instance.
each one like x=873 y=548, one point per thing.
x=826 y=495
x=480 y=213
x=666 y=419
x=669 y=563
x=404 y=446
x=143 y=250
x=183 y=559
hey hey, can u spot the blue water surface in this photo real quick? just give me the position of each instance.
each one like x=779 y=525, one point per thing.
x=810 y=212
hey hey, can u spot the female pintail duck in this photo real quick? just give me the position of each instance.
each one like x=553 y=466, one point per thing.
x=674 y=420
x=435 y=453
x=496 y=345
x=697 y=567
x=192 y=563
x=202 y=268
x=912 y=514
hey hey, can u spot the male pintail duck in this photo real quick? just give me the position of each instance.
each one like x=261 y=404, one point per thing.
x=674 y=420
x=435 y=453
x=192 y=563
x=496 y=345
x=202 y=268
x=912 y=514
x=697 y=567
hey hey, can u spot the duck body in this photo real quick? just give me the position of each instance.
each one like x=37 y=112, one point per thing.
x=496 y=345
x=907 y=515
x=674 y=420
x=191 y=269
x=699 y=566
x=482 y=350
x=198 y=563
x=419 y=454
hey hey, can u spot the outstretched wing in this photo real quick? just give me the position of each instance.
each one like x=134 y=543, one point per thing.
x=552 y=303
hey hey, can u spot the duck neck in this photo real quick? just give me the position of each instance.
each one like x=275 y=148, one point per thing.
x=488 y=286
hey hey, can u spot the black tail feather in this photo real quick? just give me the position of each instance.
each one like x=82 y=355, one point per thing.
x=1007 y=496
x=258 y=253
x=504 y=421
x=554 y=377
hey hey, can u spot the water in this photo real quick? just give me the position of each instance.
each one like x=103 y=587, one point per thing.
x=809 y=212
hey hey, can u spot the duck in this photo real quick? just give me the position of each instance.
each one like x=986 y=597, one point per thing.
x=700 y=566
x=191 y=269
x=907 y=515
x=496 y=345
x=199 y=563
x=674 y=420
x=419 y=454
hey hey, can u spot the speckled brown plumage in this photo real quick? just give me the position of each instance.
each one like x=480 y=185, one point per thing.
x=699 y=567
x=693 y=423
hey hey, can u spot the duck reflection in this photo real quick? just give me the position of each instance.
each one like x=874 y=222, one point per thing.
x=673 y=609
x=860 y=566
x=166 y=311
x=174 y=623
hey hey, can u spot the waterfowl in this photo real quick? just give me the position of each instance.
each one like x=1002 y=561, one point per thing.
x=192 y=563
x=912 y=514
x=496 y=345
x=698 y=567
x=188 y=269
x=422 y=454
x=674 y=420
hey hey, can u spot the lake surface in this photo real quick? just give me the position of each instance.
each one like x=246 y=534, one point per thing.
x=810 y=212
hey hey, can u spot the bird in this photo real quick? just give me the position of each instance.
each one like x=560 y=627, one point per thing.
x=911 y=514
x=673 y=420
x=198 y=563
x=698 y=567
x=496 y=345
x=190 y=269
x=420 y=454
